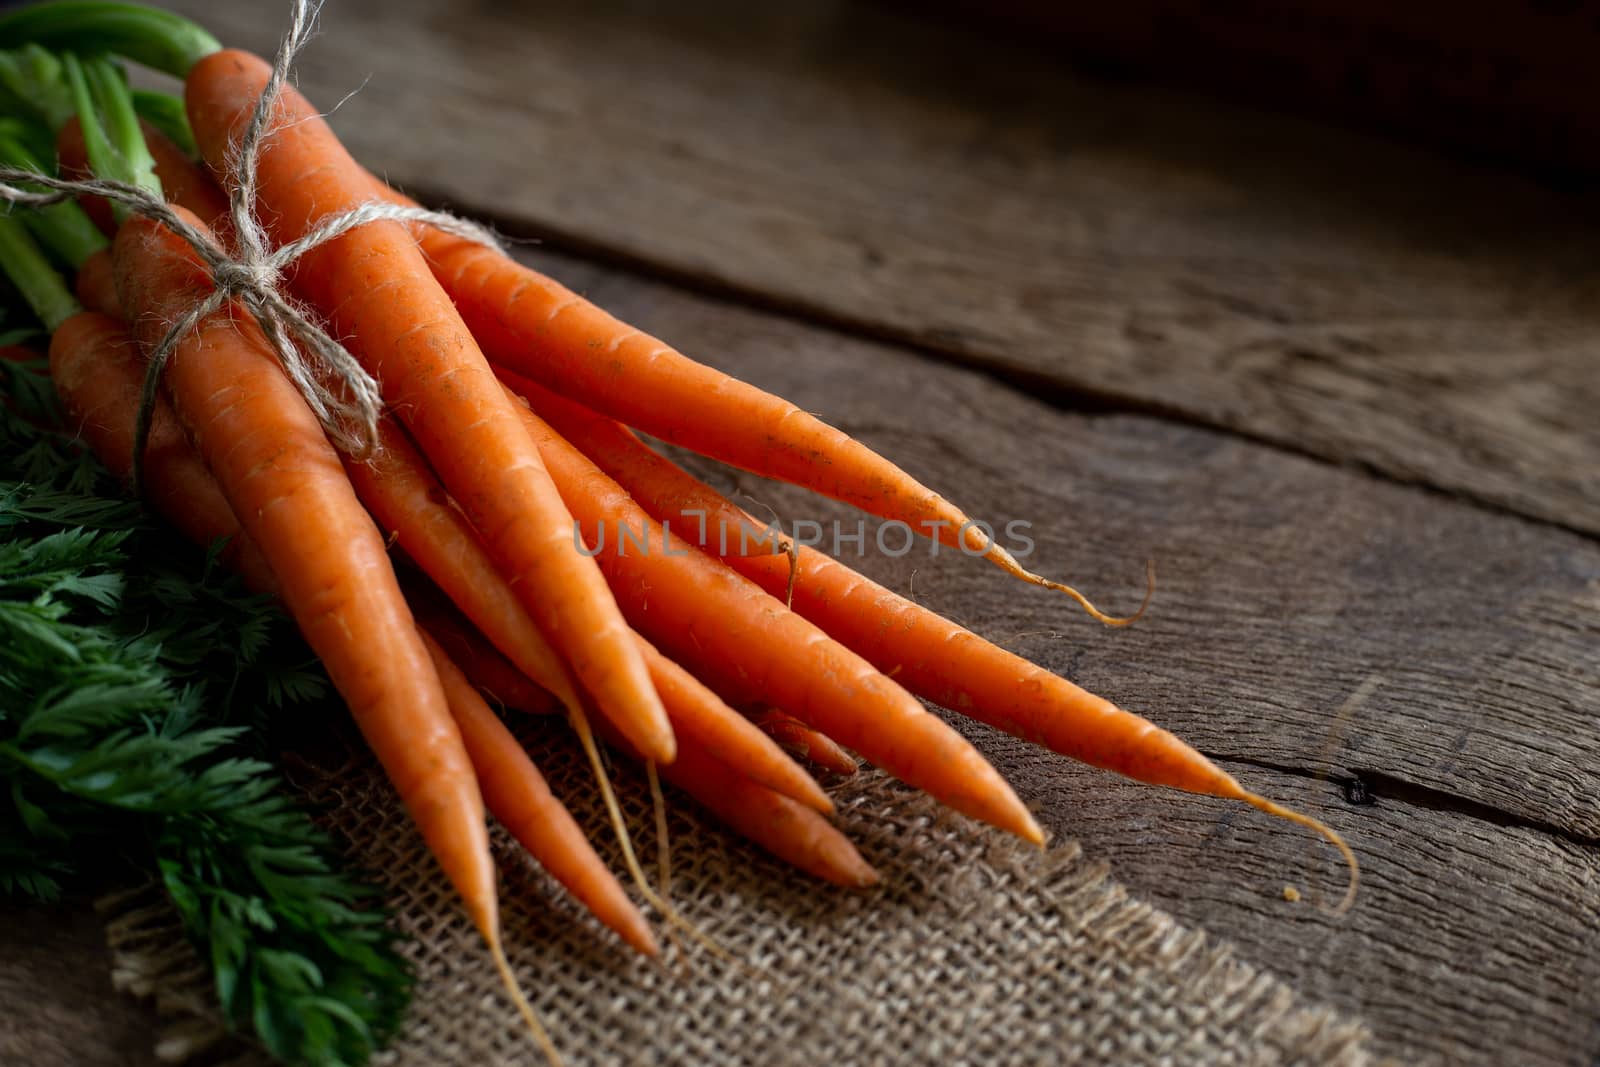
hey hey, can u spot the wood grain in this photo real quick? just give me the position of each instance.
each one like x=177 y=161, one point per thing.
x=1336 y=294
x=1286 y=584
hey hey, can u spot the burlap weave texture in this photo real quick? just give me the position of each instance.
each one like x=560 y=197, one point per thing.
x=975 y=950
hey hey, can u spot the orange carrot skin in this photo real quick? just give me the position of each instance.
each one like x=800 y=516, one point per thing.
x=519 y=797
x=481 y=662
x=796 y=834
x=726 y=736
x=928 y=654
x=750 y=648
x=95 y=285
x=377 y=292
x=284 y=482
x=811 y=745
x=402 y=492
x=98 y=372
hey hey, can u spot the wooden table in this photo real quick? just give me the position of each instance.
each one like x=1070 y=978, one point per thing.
x=1343 y=391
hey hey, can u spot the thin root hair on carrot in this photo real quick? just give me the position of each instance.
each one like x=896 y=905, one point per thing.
x=514 y=991
x=630 y=860
x=1010 y=564
x=1318 y=826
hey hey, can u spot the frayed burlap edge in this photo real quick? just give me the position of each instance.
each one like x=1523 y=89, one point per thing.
x=976 y=949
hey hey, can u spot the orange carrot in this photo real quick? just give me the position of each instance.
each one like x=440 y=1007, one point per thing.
x=96 y=284
x=750 y=648
x=518 y=796
x=725 y=735
x=376 y=290
x=794 y=833
x=402 y=492
x=808 y=744
x=482 y=663
x=98 y=372
x=930 y=655
x=284 y=482
x=535 y=326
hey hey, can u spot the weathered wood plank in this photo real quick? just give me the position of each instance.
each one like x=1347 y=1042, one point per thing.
x=1471 y=943
x=1286 y=584
x=1337 y=294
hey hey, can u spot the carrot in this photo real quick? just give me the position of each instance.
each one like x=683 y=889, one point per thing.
x=284 y=482
x=488 y=670
x=928 y=654
x=535 y=326
x=724 y=734
x=808 y=744
x=794 y=833
x=95 y=285
x=404 y=495
x=98 y=372
x=749 y=647
x=518 y=796
x=402 y=492
x=375 y=288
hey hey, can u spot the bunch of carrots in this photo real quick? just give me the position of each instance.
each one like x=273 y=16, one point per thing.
x=440 y=566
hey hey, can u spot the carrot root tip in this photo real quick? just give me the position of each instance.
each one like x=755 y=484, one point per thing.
x=1009 y=563
x=1324 y=830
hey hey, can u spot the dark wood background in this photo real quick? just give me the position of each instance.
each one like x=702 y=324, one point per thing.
x=1342 y=389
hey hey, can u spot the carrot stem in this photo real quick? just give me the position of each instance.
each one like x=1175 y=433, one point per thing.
x=24 y=262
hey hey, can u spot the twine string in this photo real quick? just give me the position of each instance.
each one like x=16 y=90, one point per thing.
x=339 y=391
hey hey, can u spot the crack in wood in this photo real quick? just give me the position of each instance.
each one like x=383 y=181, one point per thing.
x=1362 y=788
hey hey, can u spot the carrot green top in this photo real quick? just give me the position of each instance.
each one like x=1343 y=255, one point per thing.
x=148 y=36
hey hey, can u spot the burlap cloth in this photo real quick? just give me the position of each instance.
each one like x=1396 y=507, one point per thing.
x=976 y=949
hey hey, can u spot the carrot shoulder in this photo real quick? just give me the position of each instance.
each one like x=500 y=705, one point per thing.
x=284 y=482
x=377 y=292
x=749 y=647
x=182 y=181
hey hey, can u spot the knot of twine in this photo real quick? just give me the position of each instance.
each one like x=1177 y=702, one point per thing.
x=339 y=391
